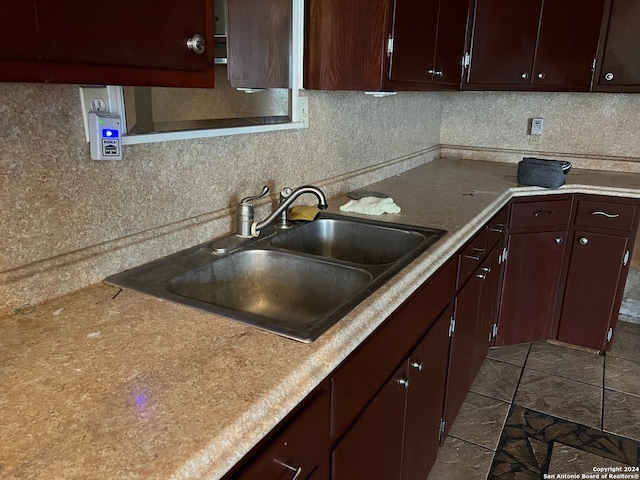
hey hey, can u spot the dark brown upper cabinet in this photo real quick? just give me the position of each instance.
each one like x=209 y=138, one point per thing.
x=618 y=67
x=259 y=43
x=346 y=44
x=61 y=42
x=428 y=38
x=534 y=45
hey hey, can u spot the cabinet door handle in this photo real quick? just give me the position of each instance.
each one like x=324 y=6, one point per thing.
x=437 y=73
x=417 y=365
x=524 y=75
x=605 y=214
x=541 y=213
x=196 y=44
x=608 y=76
x=404 y=382
x=541 y=75
x=559 y=240
x=583 y=241
x=293 y=469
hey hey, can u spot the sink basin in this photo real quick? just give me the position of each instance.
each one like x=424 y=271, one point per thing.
x=355 y=242
x=291 y=294
x=296 y=283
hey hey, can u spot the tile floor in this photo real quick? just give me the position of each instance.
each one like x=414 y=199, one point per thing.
x=543 y=408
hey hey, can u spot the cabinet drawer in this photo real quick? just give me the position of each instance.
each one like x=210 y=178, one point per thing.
x=357 y=380
x=553 y=213
x=617 y=216
x=470 y=257
x=496 y=227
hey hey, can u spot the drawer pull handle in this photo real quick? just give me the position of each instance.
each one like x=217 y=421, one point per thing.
x=475 y=257
x=293 y=469
x=543 y=213
x=605 y=214
x=498 y=228
x=481 y=276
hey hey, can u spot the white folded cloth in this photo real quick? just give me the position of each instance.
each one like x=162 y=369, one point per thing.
x=371 y=206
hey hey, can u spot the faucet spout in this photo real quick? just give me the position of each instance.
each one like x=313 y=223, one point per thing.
x=287 y=197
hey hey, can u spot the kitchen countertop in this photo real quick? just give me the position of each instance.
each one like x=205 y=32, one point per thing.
x=103 y=383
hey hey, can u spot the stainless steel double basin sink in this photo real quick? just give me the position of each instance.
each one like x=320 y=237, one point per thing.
x=296 y=282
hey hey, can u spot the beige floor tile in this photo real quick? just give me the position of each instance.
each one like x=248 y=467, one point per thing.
x=514 y=354
x=480 y=420
x=622 y=375
x=560 y=397
x=622 y=414
x=459 y=460
x=567 y=362
x=626 y=342
x=497 y=380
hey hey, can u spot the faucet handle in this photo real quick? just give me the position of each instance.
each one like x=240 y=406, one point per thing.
x=265 y=190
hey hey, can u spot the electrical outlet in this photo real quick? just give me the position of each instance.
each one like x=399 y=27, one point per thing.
x=303 y=111
x=535 y=139
x=97 y=98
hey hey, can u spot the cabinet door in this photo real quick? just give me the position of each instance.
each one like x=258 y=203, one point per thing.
x=450 y=42
x=372 y=447
x=425 y=399
x=259 y=43
x=462 y=358
x=19 y=32
x=143 y=49
x=531 y=279
x=415 y=24
x=619 y=66
x=346 y=44
x=591 y=293
x=567 y=44
x=491 y=272
x=504 y=41
x=301 y=448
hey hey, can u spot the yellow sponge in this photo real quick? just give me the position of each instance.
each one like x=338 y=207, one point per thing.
x=303 y=212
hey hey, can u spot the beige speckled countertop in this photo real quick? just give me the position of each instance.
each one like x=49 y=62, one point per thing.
x=98 y=384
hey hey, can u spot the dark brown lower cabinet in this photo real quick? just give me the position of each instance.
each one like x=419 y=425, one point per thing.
x=300 y=449
x=425 y=400
x=591 y=301
x=530 y=286
x=372 y=447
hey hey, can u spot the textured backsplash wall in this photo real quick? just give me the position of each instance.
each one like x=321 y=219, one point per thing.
x=592 y=130
x=69 y=221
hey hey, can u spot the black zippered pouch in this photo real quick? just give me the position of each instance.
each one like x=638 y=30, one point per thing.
x=540 y=172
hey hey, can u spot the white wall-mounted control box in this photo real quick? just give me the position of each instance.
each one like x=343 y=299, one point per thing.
x=105 y=136
x=537 y=126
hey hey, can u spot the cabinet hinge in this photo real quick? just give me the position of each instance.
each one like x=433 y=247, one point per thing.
x=593 y=64
x=441 y=431
x=389 y=46
x=625 y=260
x=503 y=257
x=495 y=330
x=452 y=326
x=609 y=334
x=466 y=60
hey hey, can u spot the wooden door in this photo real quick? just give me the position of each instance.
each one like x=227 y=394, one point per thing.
x=346 y=44
x=372 y=447
x=450 y=41
x=531 y=279
x=425 y=399
x=300 y=448
x=463 y=344
x=590 y=298
x=259 y=43
x=504 y=42
x=567 y=44
x=415 y=24
x=619 y=66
